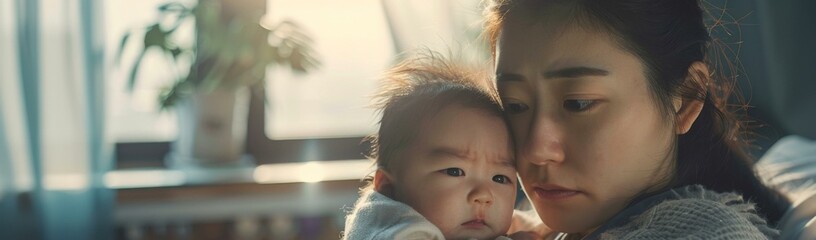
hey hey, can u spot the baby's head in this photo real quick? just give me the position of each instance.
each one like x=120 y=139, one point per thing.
x=443 y=148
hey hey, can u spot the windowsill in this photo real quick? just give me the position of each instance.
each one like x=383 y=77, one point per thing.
x=220 y=203
x=160 y=195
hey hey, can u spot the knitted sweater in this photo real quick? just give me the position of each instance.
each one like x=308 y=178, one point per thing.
x=689 y=212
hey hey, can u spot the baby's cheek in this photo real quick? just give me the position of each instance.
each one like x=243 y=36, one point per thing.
x=444 y=211
x=505 y=211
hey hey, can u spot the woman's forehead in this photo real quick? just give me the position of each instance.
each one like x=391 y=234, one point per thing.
x=546 y=50
x=551 y=19
x=548 y=13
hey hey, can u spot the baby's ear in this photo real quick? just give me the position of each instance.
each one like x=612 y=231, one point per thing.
x=384 y=183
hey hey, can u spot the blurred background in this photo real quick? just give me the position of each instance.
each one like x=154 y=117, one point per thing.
x=245 y=119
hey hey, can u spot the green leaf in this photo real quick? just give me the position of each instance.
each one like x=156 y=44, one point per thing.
x=175 y=52
x=135 y=70
x=121 y=49
x=227 y=53
x=168 y=98
x=182 y=13
x=172 y=7
x=155 y=36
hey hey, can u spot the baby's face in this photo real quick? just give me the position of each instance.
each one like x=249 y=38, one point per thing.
x=459 y=173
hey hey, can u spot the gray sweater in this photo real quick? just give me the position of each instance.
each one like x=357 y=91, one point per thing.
x=690 y=212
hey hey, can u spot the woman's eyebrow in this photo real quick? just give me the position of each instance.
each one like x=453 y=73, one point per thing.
x=509 y=77
x=575 y=72
x=569 y=72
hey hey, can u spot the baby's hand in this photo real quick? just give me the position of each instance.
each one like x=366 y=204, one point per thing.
x=529 y=226
x=527 y=221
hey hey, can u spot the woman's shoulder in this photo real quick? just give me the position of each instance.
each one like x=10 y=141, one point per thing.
x=696 y=211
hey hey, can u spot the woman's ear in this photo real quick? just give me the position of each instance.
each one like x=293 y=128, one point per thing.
x=384 y=183
x=688 y=109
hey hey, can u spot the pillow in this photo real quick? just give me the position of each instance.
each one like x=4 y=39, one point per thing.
x=790 y=166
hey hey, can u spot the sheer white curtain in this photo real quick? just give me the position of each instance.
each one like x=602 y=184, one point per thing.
x=444 y=26
x=53 y=148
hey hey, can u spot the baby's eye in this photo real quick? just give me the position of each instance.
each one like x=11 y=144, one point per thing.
x=578 y=105
x=514 y=107
x=456 y=172
x=501 y=179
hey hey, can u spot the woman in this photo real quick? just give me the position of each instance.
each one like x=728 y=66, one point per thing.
x=620 y=129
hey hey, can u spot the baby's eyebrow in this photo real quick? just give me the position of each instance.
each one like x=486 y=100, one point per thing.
x=507 y=163
x=449 y=151
x=464 y=155
x=504 y=162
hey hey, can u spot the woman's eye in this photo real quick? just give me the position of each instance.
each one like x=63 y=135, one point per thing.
x=515 y=107
x=578 y=105
x=456 y=172
x=501 y=179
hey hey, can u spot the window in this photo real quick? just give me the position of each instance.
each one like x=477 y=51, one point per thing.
x=322 y=115
x=357 y=40
x=353 y=41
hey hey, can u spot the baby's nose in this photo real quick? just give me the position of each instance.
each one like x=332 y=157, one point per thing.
x=481 y=195
x=483 y=200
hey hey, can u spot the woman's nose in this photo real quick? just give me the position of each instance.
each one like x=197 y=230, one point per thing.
x=544 y=143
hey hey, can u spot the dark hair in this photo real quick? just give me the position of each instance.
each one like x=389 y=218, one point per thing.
x=668 y=36
x=415 y=90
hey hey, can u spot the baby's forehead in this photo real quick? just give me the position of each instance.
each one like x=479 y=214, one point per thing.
x=466 y=132
x=462 y=116
x=465 y=152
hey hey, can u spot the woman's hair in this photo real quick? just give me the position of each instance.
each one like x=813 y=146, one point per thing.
x=418 y=88
x=668 y=36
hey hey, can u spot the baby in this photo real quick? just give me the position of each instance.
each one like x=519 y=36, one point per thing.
x=445 y=164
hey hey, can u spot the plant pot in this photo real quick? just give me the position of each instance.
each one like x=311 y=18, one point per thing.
x=211 y=130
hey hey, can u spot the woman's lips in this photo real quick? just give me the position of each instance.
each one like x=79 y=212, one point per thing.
x=554 y=192
x=476 y=223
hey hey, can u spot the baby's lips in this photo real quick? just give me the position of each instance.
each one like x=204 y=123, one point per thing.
x=475 y=223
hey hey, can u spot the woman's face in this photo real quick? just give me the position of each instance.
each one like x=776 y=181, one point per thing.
x=588 y=134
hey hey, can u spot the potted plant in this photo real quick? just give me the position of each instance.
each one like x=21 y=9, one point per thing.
x=232 y=51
